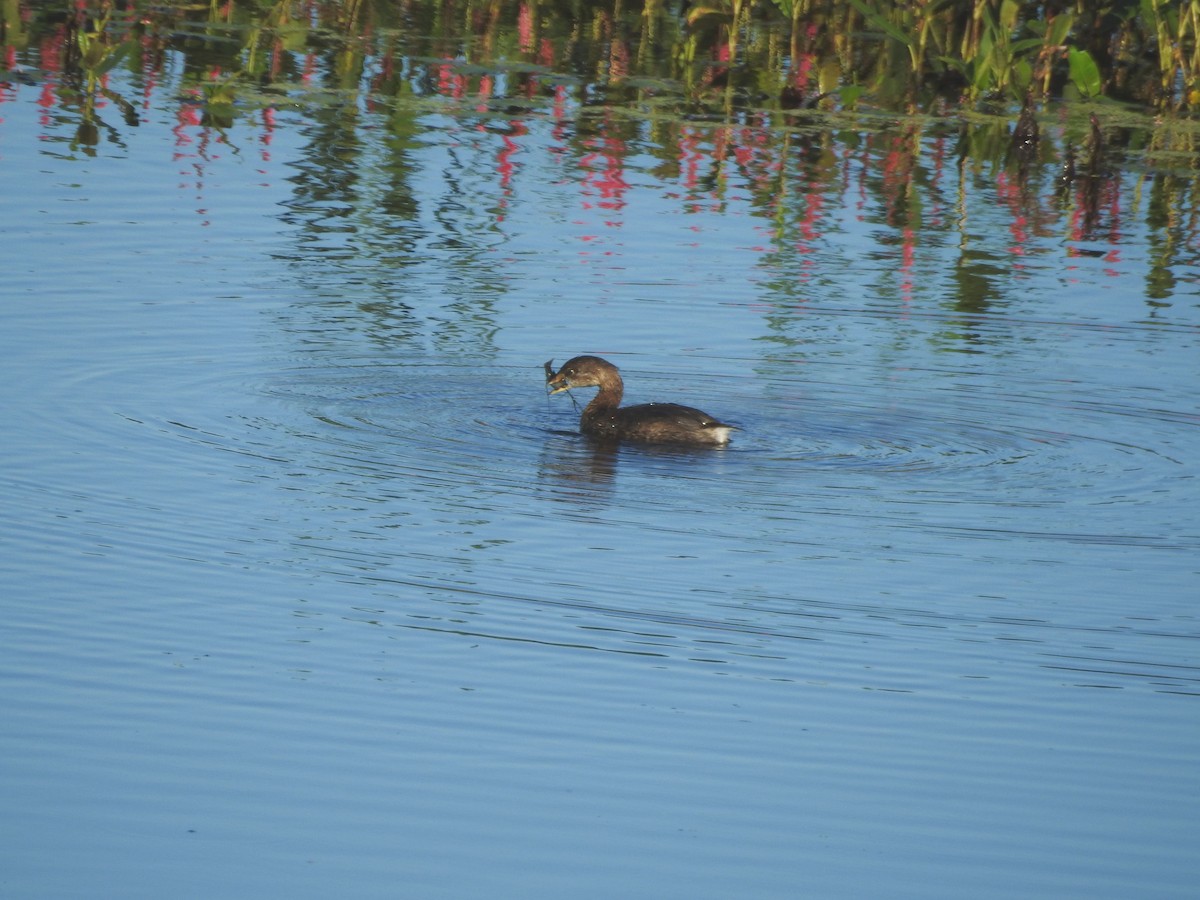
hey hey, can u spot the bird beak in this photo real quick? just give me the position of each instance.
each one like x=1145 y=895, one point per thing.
x=554 y=382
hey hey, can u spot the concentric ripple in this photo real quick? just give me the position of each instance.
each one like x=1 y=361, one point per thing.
x=438 y=486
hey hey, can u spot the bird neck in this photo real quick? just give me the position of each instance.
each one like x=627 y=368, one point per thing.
x=612 y=389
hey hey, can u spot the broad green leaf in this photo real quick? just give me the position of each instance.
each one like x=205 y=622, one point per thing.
x=1009 y=11
x=1085 y=74
x=1022 y=75
x=1062 y=24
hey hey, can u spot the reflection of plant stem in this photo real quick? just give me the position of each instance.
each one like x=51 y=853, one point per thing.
x=128 y=110
x=95 y=56
x=89 y=55
x=735 y=28
x=1172 y=24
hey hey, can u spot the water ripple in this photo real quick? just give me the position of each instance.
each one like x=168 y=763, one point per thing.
x=465 y=491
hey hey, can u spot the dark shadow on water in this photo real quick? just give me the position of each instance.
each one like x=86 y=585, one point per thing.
x=588 y=468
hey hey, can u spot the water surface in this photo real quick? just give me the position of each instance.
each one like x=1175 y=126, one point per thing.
x=307 y=588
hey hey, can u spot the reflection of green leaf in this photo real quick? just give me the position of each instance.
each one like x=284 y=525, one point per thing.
x=112 y=57
x=850 y=94
x=220 y=92
x=1085 y=74
x=696 y=13
x=878 y=20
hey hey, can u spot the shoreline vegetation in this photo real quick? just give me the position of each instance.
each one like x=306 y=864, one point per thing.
x=922 y=56
x=1079 y=112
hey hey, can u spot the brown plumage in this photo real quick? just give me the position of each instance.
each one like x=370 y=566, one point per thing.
x=605 y=418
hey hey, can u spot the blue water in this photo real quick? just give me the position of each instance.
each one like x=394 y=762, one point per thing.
x=307 y=589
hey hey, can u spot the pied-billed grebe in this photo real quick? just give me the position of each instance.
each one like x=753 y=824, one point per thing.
x=604 y=417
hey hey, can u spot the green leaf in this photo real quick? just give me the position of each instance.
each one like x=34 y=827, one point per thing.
x=1019 y=47
x=1022 y=75
x=1062 y=24
x=113 y=57
x=1009 y=11
x=1085 y=74
x=878 y=20
x=849 y=95
x=954 y=63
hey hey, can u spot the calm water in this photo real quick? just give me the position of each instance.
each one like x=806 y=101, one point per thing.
x=308 y=589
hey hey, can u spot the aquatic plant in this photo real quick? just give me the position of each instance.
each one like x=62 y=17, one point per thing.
x=788 y=106
x=94 y=49
x=902 y=55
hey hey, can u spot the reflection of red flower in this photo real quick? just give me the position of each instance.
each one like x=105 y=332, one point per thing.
x=450 y=83
x=908 y=253
x=186 y=116
x=814 y=203
x=525 y=27
x=804 y=67
x=504 y=159
x=610 y=182
x=50 y=51
x=560 y=116
x=690 y=156
x=485 y=93
x=618 y=61
x=268 y=132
